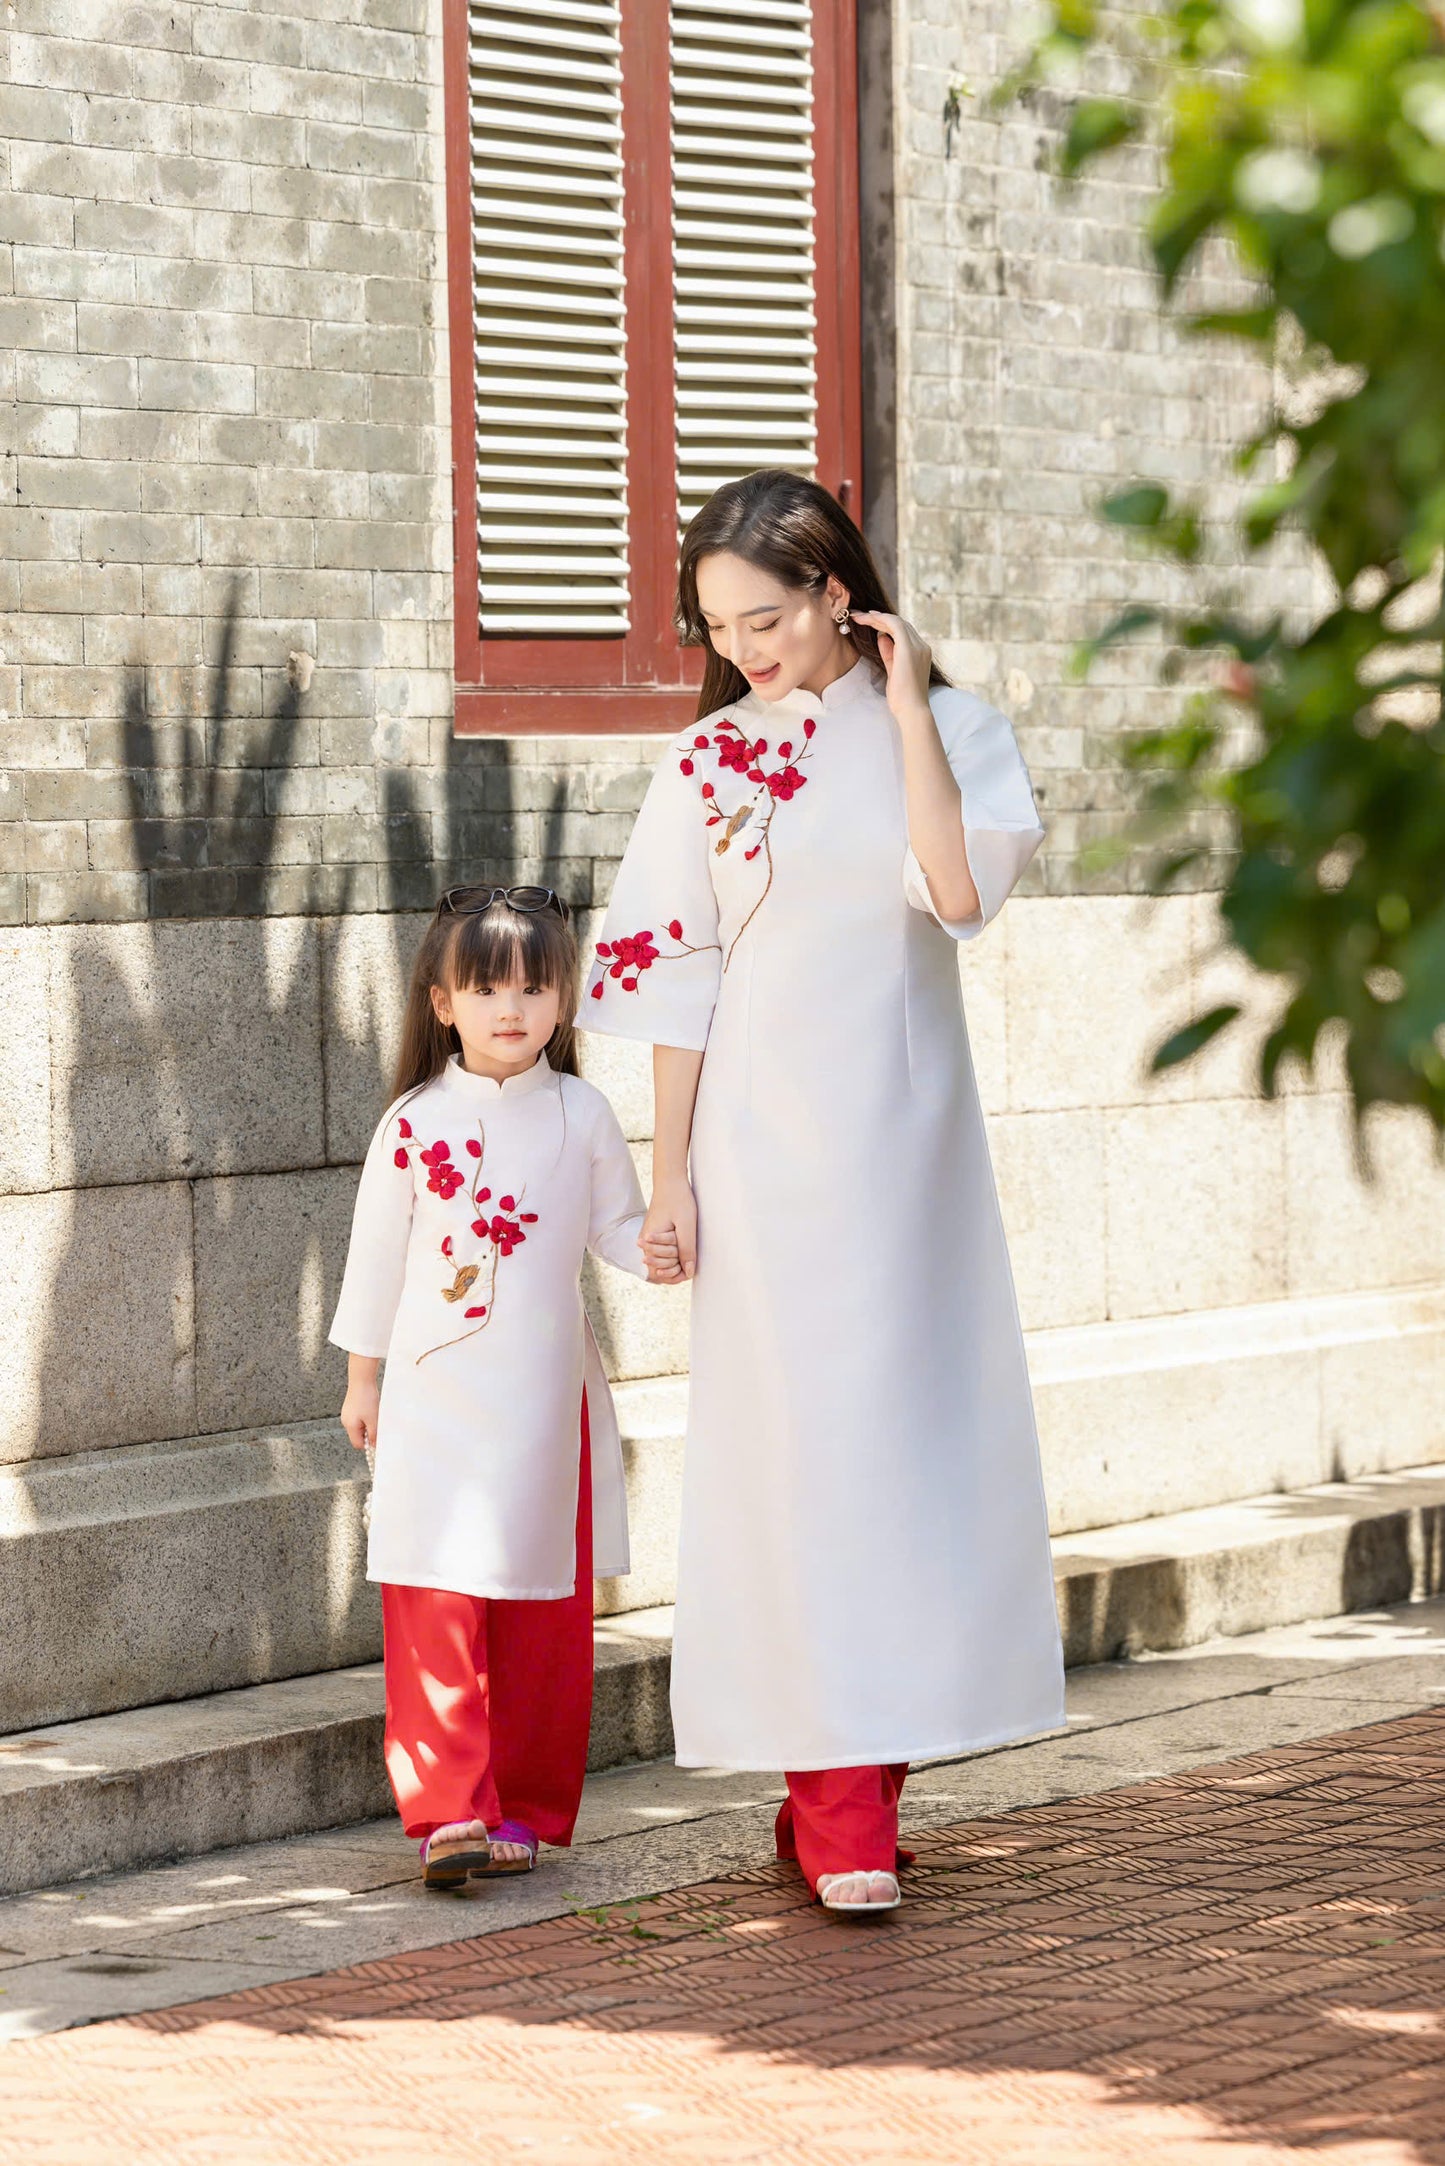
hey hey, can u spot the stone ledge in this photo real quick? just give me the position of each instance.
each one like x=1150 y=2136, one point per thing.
x=267 y=1760
x=1156 y=1584
x=161 y=1571
x=1183 y=1413
x=277 y=1759
x=209 y=1563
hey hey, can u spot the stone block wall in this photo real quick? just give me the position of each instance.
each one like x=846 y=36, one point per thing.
x=225 y=492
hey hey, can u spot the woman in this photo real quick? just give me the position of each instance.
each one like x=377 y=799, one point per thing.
x=864 y=1574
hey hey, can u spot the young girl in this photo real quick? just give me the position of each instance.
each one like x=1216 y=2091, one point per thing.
x=498 y=1469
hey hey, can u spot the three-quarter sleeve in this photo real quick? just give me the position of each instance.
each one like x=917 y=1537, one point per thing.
x=616 y=1213
x=1001 y=825
x=659 y=960
x=376 y=1260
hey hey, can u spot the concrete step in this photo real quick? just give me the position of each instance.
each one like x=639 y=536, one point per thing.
x=281 y=1758
x=235 y=1767
x=206 y=1563
x=1156 y=1584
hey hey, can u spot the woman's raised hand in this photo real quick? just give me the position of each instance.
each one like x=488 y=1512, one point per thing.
x=907 y=658
x=669 y=1234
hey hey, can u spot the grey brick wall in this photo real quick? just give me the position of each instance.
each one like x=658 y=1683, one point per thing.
x=222 y=309
x=1034 y=374
x=223 y=372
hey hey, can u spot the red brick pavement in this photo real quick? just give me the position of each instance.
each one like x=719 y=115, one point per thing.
x=1239 y=1964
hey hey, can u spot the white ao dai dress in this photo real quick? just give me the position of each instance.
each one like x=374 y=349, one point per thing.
x=477 y=1202
x=864 y=1575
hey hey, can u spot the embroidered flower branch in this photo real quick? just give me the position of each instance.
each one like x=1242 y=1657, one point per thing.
x=500 y=1233
x=626 y=959
x=771 y=788
x=736 y=754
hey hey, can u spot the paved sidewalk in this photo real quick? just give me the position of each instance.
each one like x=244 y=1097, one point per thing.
x=1228 y=1965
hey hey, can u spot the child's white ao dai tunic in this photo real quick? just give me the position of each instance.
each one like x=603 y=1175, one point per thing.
x=476 y=1204
x=864 y=1574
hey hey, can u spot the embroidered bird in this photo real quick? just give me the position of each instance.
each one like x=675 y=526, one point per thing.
x=465 y=1279
x=739 y=819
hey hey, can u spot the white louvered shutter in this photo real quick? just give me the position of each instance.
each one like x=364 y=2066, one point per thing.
x=549 y=318
x=744 y=315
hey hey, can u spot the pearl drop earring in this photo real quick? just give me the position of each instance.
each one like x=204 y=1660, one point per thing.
x=842 y=621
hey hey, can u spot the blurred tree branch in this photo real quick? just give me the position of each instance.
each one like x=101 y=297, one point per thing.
x=1309 y=137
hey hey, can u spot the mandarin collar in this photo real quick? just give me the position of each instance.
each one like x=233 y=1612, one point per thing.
x=854 y=684
x=482 y=1090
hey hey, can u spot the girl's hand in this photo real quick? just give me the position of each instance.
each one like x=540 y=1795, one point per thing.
x=669 y=1234
x=362 y=1403
x=906 y=656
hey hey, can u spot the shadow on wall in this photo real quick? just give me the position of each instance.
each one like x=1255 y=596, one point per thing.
x=217 y=1073
x=218 y=1068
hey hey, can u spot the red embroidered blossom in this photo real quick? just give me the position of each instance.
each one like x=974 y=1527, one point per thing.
x=443 y=1178
x=736 y=754
x=808 y=728
x=507 y=1203
x=447 y=1246
x=474 y=1147
x=402 y=1160
x=687 y=767
x=597 y=990
x=637 y=951
x=785 y=783
x=403 y=1128
x=674 y=930
x=474 y=1312
x=507 y=1234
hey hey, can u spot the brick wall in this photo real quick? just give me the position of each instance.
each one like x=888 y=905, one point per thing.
x=1035 y=374
x=222 y=303
x=222 y=314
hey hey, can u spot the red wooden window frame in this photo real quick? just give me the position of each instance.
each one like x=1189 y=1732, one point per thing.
x=644 y=681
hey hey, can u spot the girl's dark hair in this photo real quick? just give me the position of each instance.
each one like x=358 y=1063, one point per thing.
x=463 y=950
x=791 y=527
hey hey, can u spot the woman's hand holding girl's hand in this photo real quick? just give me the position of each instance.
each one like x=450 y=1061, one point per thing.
x=669 y=1234
x=362 y=1403
x=907 y=658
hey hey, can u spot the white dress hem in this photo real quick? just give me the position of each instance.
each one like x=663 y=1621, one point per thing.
x=887 y=1756
x=491 y=1592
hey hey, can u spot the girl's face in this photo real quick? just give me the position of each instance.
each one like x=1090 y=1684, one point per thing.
x=781 y=638
x=503 y=1028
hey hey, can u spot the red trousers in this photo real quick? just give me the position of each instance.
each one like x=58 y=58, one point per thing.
x=488 y=1703
x=841 y=1820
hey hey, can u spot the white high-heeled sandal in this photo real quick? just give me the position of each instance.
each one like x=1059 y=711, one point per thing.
x=828 y=1881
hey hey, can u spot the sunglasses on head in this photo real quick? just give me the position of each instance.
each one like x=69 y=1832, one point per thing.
x=472 y=901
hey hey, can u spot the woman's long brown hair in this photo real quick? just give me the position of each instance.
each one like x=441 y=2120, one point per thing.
x=461 y=951
x=791 y=527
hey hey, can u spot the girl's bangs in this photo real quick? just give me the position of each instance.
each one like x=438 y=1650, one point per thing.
x=495 y=946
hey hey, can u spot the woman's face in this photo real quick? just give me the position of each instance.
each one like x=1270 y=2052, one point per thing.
x=781 y=638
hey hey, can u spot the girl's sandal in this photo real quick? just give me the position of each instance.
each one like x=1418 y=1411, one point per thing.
x=828 y=1881
x=451 y=1854
x=510 y=1831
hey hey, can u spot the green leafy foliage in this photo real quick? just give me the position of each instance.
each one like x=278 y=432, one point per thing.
x=1308 y=136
